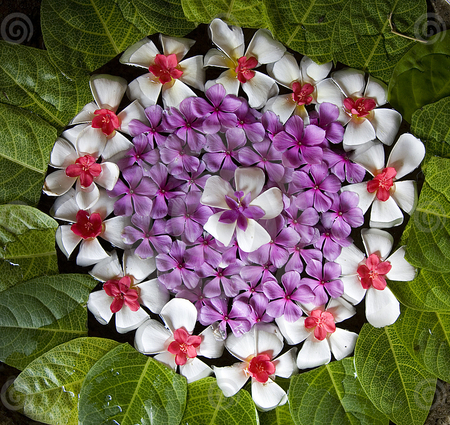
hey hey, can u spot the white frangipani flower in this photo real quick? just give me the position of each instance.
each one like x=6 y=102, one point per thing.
x=174 y=345
x=366 y=276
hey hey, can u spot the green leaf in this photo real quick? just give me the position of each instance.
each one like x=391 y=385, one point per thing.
x=423 y=73
x=127 y=387
x=208 y=406
x=83 y=35
x=30 y=80
x=51 y=384
x=27 y=236
x=331 y=394
x=25 y=144
x=244 y=13
x=278 y=416
x=437 y=173
x=397 y=385
x=41 y=313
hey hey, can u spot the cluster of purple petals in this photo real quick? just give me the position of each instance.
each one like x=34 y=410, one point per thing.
x=163 y=177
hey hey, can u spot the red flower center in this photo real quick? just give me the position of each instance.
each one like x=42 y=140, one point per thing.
x=244 y=68
x=260 y=368
x=373 y=272
x=185 y=346
x=86 y=168
x=382 y=183
x=322 y=322
x=166 y=68
x=87 y=226
x=359 y=107
x=302 y=94
x=123 y=293
x=107 y=120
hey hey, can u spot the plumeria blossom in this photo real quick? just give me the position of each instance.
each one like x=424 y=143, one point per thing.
x=174 y=344
x=263 y=49
x=366 y=275
x=301 y=80
x=80 y=168
x=384 y=191
x=168 y=73
x=359 y=101
x=242 y=208
x=257 y=350
x=99 y=118
x=124 y=290
x=320 y=335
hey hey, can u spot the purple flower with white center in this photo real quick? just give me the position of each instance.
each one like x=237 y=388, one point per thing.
x=303 y=221
x=248 y=121
x=276 y=250
x=325 y=279
x=266 y=157
x=151 y=234
x=226 y=277
x=329 y=244
x=343 y=215
x=188 y=216
x=220 y=112
x=167 y=187
x=177 y=156
x=216 y=310
x=195 y=181
x=137 y=194
x=186 y=125
x=220 y=157
x=153 y=131
x=326 y=118
x=272 y=124
x=258 y=304
x=205 y=250
x=282 y=299
x=316 y=186
x=299 y=144
x=141 y=154
x=342 y=167
x=180 y=267
x=301 y=251
x=259 y=273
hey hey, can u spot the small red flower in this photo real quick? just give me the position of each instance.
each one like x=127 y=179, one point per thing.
x=86 y=168
x=87 y=226
x=166 y=68
x=107 y=120
x=185 y=346
x=382 y=183
x=322 y=322
x=361 y=107
x=244 y=69
x=373 y=272
x=122 y=293
x=260 y=368
x=302 y=94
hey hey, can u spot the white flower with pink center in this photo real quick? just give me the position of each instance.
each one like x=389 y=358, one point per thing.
x=257 y=350
x=366 y=275
x=242 y=208
x=384 y=192
x=168 y=73
x=124 y=290
x=358 y=101
x=320 y=335
x=240 y=65
x=174 y=344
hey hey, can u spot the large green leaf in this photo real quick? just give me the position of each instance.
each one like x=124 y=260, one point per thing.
x=362 y=36
x=83 y=35
x=27 y=236
x=422 y=76
x=208 y=406
x=25 y=144
x=397 y=385
x=41 y=313
x=281 y=415
x=30 y=80
x=127 y=387
x=51 y=384
x=331 y=394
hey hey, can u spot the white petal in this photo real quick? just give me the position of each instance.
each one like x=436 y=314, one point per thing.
x=107 y=90
x=104 y=205
x=358 y=131
x=153 y=295
x=365 y=198
x=382 y=308
x=328 y=91
x=141 y=54
x=260 y=88
x=342 y=343
x=113 y=230
x=67 y=240
x=211 y=347
x=179 y=313
x=249 y=180
x=99 y=304
x=152 y=337
x=371 y=157
x=193 y=72
x=223 y=232
x=167 y=358
x=91 y=141
x=215 y=57
x=91 y=252
x=137 y=267
x=215 y=191
x=194 y=370
x=134 y=111
x=176 y=46
x=349 y=259
x=285 y=365
x=351 y=81
x=406 y=155
x=313 y=72
x=313 y=353
x=230 y=379
x=267 y=396
x=377 y=241
x=128 y=320
x=242 y=347
x=58 y=183
x=376 y=90
x=271 y=202
x=117 y=143
x=353 y=290
x=385 y=214
x=63 y=153
x=175 y=94
x=145 y=89
x=405 y=195
x=401 y=269
x=109 y=175
x=264 y=48
x=285 y=71
x=85 y=115
x=107 y=269
x=282 y=105
x=86 y=198
x=294 y=332
x=253 y=238
x=340 y=309
x=228 y=80
x=267 y=342
x=65 y=207
x=230 y=39
x=386 y=123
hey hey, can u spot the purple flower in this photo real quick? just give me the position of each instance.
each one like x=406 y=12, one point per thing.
x=341 y=165
x=205 y=250
x=195 y=181
x=195 y=295
x=326 y=118
x=153 y=130
x=141 y=154
x=252 y=288
x=259 y=273
x=300 y=251
x=247 y=120
x=177 y=156
x=258 y=304
x=329 y=244
x=272 y=124
x=226 y=277
x=304 y=222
